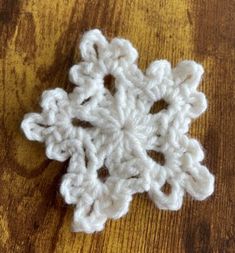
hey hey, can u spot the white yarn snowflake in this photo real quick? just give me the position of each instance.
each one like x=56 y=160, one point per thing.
x=121 y=131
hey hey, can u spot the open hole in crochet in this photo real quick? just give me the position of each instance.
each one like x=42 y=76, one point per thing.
x=158 y=106
x=41 y=125
x=103 y=174
x=166 y=188
x=134 y=177
x=85 y=159
x=109 y=83
x=157 y=156
x=96 y=50
x=79 y=123
x=85 y=101
x=90 y=210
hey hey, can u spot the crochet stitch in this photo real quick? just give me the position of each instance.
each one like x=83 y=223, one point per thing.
x=119 y=131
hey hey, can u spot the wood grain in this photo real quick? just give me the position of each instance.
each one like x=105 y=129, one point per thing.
x=38 y=44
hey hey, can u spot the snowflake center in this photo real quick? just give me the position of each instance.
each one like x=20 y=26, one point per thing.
x=128 y=126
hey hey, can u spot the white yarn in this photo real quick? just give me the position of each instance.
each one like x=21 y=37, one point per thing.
x=123 y=130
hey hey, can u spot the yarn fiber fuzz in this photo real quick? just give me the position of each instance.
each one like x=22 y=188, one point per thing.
x=120 y=130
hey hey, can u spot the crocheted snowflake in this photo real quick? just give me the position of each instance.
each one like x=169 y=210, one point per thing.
x=119 y=131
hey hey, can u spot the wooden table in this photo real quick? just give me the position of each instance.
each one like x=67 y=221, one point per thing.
x=38 y=44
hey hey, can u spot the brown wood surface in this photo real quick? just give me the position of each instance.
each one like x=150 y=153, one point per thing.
x=38 y=44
